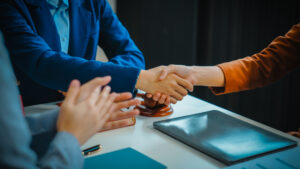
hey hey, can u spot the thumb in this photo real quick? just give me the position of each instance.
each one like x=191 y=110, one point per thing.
x=88 y=88
x=164 y=72
x=72 y=92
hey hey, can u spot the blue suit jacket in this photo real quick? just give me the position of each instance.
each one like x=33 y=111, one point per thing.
x=33 y=143
x=33 y=42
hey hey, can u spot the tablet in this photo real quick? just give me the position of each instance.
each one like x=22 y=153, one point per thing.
x=223 y=137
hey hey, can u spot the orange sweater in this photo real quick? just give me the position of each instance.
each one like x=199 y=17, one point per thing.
x=281 y=56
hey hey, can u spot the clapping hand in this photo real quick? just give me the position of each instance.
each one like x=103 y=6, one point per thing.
x=86 y=109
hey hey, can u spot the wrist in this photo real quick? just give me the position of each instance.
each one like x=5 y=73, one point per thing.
x=141 y=79
x=209 y=76
x=196 y=72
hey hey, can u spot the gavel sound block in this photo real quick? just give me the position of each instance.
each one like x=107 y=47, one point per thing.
x=151 y=108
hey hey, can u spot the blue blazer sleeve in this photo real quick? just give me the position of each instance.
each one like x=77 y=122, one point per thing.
x=15 y=151
x=32 y=55
x=115 y=40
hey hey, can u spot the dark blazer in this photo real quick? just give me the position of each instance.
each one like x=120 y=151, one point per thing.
x=33 y=42
x=33 y=143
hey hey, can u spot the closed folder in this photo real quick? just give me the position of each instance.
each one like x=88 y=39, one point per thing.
x=122 y=159
x=223 y=137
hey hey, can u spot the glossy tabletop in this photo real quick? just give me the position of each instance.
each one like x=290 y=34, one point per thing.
x=144 y=138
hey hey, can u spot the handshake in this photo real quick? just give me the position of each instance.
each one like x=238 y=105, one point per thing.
x=166 y=84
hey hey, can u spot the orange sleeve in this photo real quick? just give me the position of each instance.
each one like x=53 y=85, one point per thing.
x=281 y=56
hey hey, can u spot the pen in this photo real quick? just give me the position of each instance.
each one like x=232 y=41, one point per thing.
x=92 y=150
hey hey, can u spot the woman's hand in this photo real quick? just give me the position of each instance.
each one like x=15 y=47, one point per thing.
x=88 y=109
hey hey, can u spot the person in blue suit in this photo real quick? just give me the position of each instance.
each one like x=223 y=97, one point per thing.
x=52 y=42
x=52 y=139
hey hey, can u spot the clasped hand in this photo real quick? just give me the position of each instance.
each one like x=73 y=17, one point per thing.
x=164 y=86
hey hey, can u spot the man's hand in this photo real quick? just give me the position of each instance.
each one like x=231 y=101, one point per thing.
x=185 y=72
x=197 y=75
x=172 y=85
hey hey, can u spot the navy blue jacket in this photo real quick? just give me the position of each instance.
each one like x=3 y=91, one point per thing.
x=33 y=42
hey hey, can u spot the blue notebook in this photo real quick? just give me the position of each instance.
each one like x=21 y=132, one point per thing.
x=289 y=159
x=127 y=158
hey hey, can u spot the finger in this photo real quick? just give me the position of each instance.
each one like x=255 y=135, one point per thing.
x=180 y=90
x=107 y=115
x=89 y=87
x=103 y=96
x=72 y=92
x=173 y=100
x=126 y=104
x=185 y=83
x=156 y=96
x=123 y=115
x=168 y=100
x=163 y=74
x=94 y=96
x=105 y=112
x=165 y=71
x=123 y=96
x=149 y=95
x=162 y=99
x=173 y=91
x=105 y=109
x=117 y=124
x=175 y=94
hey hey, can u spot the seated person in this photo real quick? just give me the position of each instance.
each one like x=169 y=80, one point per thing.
x=280 y=57
x=84 y=112
x=52 y=42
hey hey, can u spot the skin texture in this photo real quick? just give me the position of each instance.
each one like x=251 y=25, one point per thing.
x=172 y=86
x=196 y=75
x=86 y=109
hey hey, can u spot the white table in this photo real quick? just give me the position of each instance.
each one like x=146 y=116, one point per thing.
x=172 y=153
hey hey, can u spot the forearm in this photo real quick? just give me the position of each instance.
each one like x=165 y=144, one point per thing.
x=43 y=121
x=208 y=76
x=265 y=67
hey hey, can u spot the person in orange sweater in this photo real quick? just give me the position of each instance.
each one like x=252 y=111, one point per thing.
x=280 y=57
